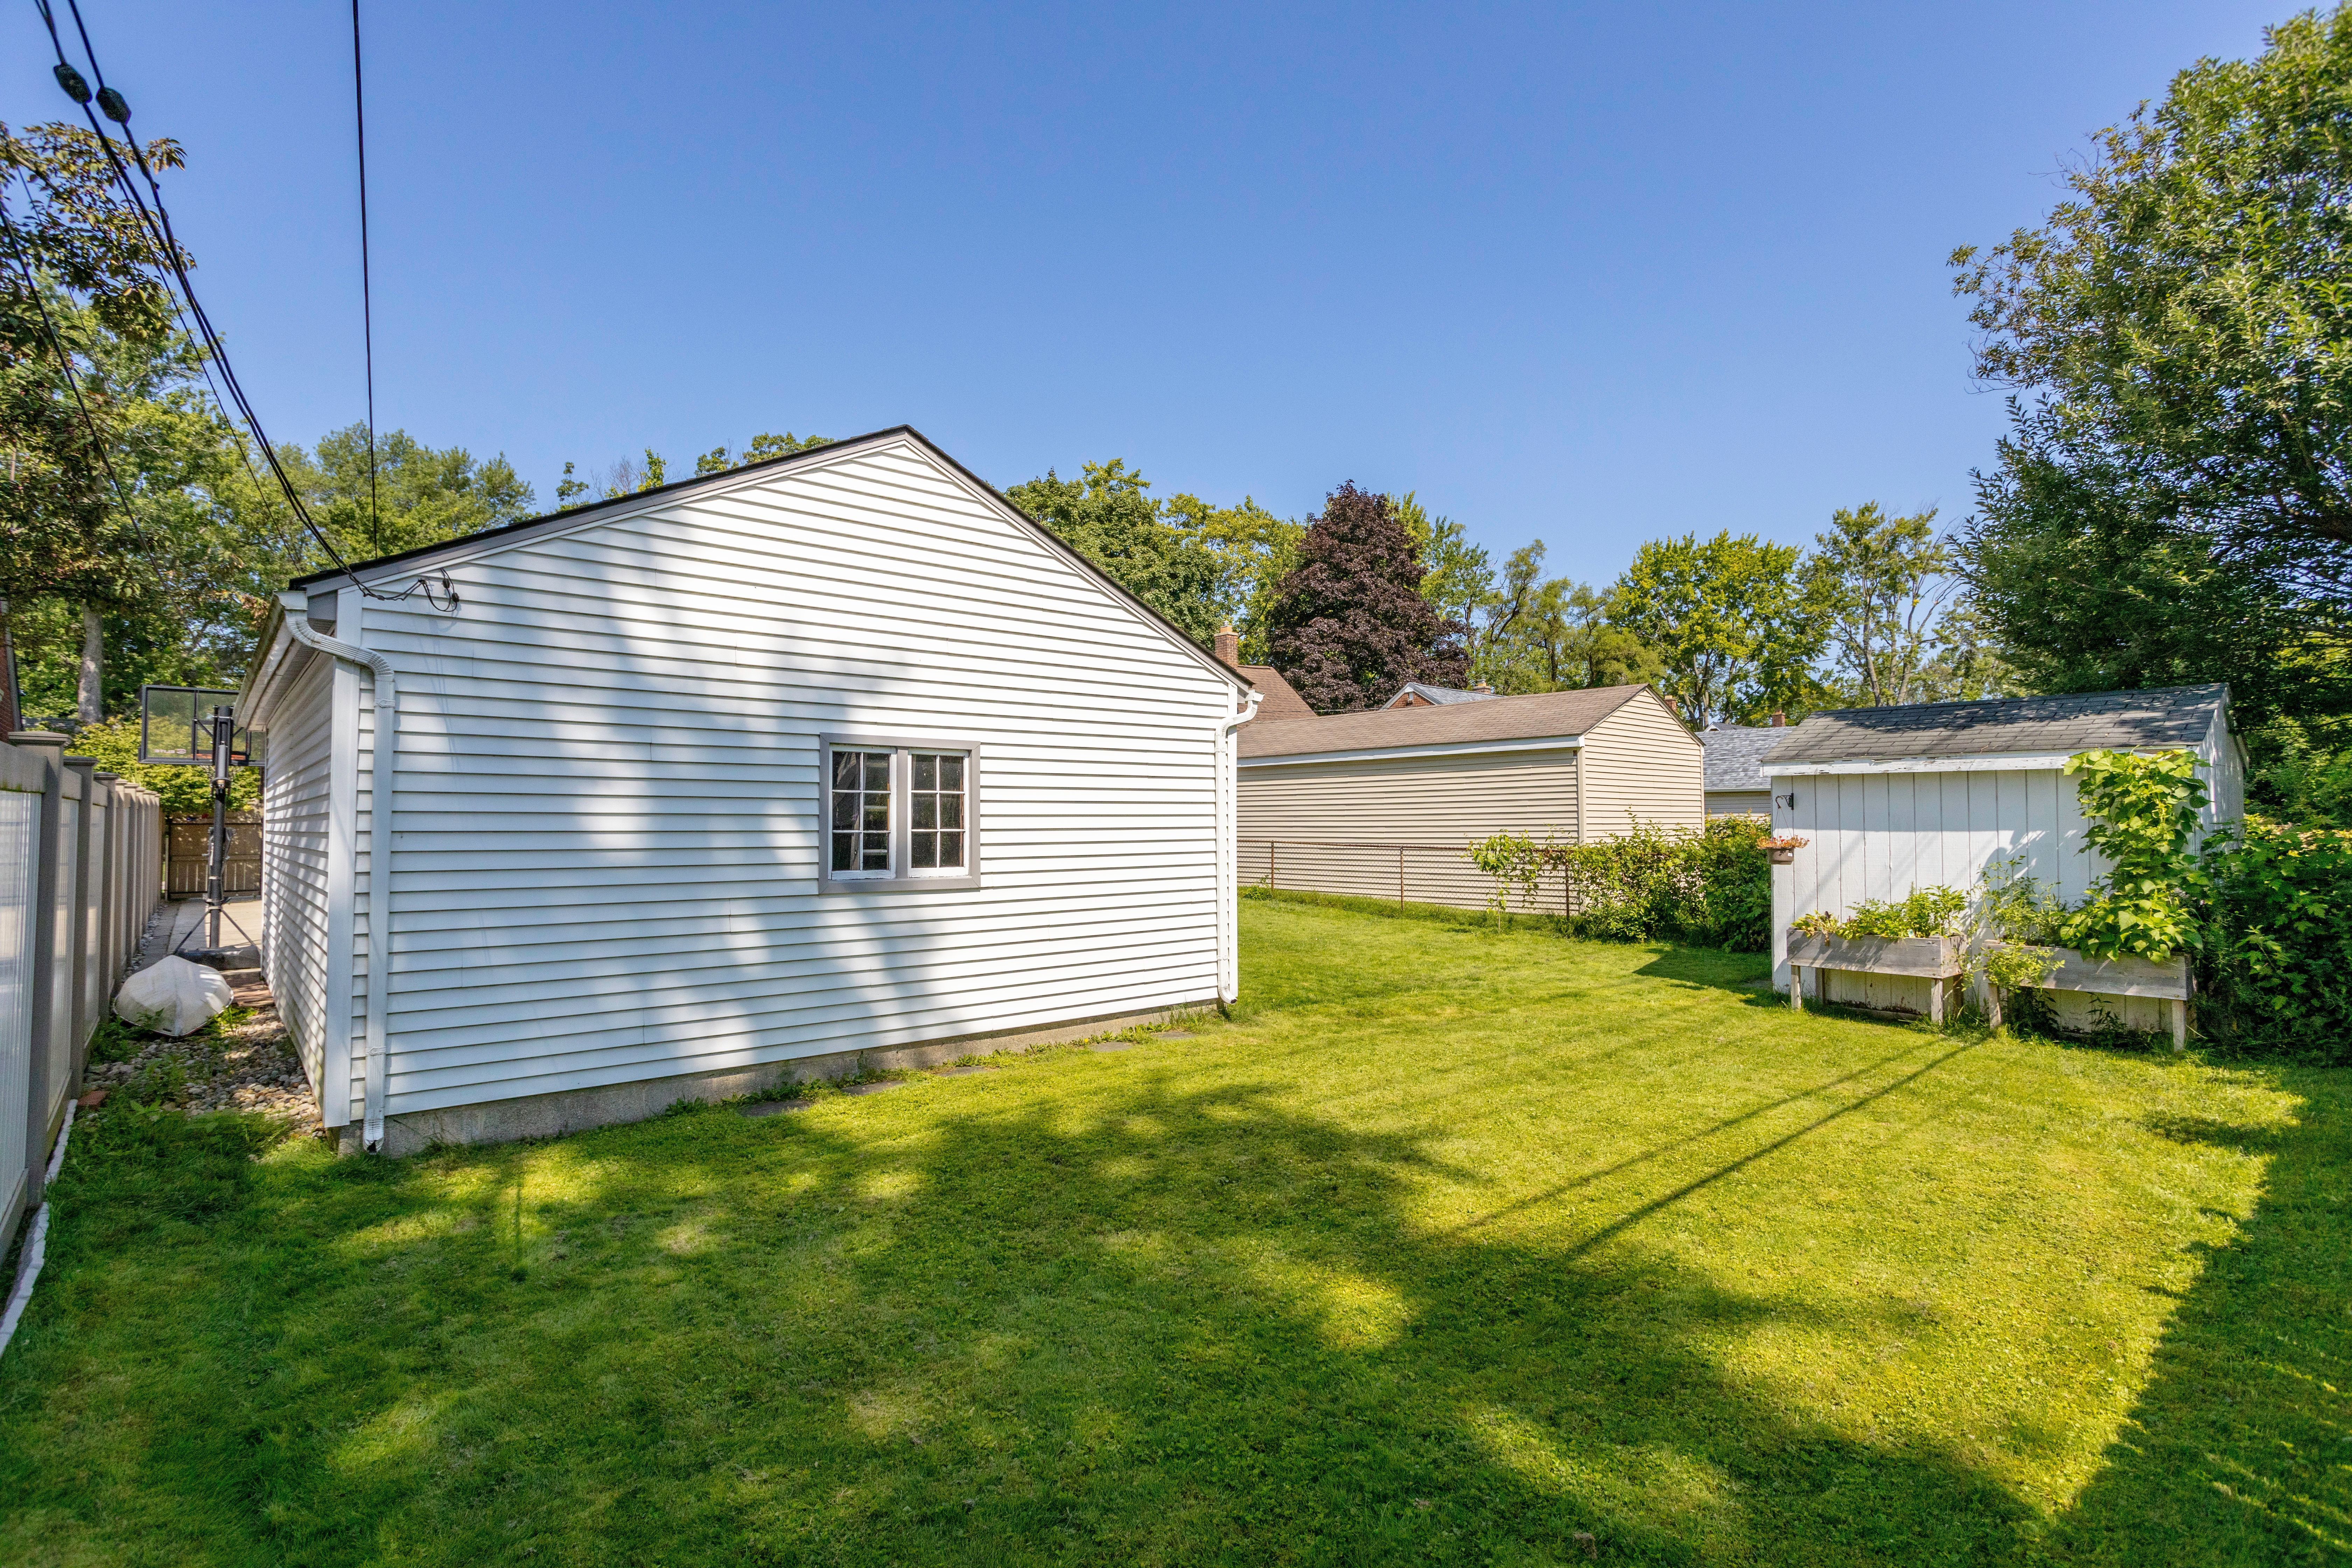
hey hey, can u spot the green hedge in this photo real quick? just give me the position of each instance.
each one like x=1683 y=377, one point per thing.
x=1710 y=886
x=2277 y=960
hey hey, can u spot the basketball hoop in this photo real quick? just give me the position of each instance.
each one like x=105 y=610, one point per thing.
x=196 y=727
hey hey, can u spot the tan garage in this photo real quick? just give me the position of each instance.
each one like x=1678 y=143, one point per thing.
x=1383 y=803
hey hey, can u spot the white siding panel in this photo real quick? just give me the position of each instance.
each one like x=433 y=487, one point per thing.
x=606 y=812
x=298 y=856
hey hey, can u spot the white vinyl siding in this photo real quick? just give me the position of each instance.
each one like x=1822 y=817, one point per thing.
x=1643 y=765
x=611 y=810
x=297 y=861
x=1878 y=835
x=1327 y=826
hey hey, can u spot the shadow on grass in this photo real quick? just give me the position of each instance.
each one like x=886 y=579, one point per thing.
x=2240 y=1447
x=1134 y=1325
x=1748 y=975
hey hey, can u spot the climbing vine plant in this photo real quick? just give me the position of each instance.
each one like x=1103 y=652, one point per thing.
x=2142 y=810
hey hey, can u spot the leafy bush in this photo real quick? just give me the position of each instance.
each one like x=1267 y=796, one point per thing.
x=1932 y=911
x=1711 y=887
x=2143 y=811
x=2278 y=950
x=1515 y=861
x=2013 y=906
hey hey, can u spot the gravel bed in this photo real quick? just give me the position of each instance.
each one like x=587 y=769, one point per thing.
x=246 y=1065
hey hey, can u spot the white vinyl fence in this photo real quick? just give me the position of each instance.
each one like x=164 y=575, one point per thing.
x=81 y=868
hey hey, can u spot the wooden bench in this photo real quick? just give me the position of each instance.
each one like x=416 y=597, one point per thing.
x=1935 y=959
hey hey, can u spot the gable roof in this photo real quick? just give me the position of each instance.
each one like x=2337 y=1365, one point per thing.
x=1562 y=715
x=2168 y=718
x=1733 y=751
x=1436 y=694
x=426 y=557
x=1279 y=698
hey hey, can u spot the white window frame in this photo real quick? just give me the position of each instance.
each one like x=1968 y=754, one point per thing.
x=901 y=876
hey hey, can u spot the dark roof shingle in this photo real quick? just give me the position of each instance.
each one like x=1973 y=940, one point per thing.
x=1734 y=749
x=2070 y=722
x=1545 y=714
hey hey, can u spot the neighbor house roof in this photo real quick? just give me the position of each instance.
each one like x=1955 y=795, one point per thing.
x=1279 y=698
x=2170 y=716
x=1562 y=715
x=1436 y=694
x=1734 y=749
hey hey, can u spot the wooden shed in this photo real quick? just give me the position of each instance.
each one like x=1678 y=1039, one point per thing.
x=1932 y=793
x=1382 y=803
x=829 y=759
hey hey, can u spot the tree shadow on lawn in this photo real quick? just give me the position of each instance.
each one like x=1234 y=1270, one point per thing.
x=2240 y=1447
x=1748 y=975
x=1133 y=1325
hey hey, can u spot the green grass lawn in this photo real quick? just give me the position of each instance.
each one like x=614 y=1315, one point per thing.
x=1449 y=1247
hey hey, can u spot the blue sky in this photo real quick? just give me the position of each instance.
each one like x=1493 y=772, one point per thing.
x=1591 y=274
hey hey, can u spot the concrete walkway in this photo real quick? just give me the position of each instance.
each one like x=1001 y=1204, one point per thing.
x=179 y=926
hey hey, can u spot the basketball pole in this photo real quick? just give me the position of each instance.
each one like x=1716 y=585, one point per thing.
x=216 y=878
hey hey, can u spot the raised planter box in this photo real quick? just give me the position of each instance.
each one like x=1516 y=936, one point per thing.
x=2163 y=980
x=1935 y=959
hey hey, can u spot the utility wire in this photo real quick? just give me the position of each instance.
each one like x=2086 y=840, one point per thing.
x=367 y=293
x=158 y=225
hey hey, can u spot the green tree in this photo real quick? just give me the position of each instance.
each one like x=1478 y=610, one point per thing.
x=1459 y=581
x=1255 y=550
x=1348 y=623
x=416 y=494
x=717 y=460
x=78 y=270
x=212 y=543
x=1109 y=517
x=2173 y=501
x=1885 y=583
x=1729 y=621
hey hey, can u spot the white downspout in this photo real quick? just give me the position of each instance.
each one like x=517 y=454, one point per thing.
x=385 y=757
x=1229 y=875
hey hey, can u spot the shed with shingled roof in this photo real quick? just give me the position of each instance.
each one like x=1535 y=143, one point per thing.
x=1934 y=794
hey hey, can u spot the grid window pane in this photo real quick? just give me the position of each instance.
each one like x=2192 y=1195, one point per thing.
x=861 y=811
x=937 y=802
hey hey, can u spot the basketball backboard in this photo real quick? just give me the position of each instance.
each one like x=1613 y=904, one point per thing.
x=176 y=727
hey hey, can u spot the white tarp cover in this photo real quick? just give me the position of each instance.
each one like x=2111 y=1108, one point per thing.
x=172 y=996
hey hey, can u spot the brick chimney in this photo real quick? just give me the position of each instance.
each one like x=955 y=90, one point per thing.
x=1779 y=719
x=1229 y=646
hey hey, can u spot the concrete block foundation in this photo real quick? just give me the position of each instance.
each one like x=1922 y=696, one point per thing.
x=575 y=1111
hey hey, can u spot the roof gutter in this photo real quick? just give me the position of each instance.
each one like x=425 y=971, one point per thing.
x=1455 y=749
x=1229 y=870
x=385 y=760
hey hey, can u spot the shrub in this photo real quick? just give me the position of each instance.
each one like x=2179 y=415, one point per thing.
x=2278 y=948
x=2143 y=811
x=1711 y=886
x=1932 y=911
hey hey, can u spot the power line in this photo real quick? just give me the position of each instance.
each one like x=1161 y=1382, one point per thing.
x=367 y=292
x=158 y=225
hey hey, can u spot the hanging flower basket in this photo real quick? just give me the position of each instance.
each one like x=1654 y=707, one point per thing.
x=1782 y=850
